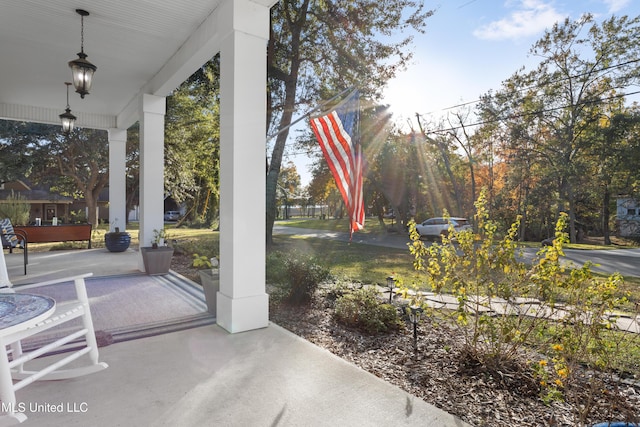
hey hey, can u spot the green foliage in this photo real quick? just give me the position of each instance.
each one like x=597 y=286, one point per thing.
x=199 y=222
x=160 y=237
x=507 y=308
x=296 y=275
x=78 y=217
x=363 y=310
x=193 y=122
x=16 y=209
x=553 y=124
x=204 y=248
x=360 y=262
x=201 y=261
x=18 y=143
x=479 y=270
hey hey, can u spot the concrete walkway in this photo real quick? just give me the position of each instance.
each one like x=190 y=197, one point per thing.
x=208 y=377
x=627 y=322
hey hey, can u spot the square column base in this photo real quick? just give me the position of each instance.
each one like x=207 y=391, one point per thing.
x=242 y=314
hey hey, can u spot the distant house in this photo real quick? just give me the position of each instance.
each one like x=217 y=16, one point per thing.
x=44 y=204
x=103 y=206
x=628 y=217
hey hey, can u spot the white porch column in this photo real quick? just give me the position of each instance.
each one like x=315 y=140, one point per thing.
x=151 y=167
x=242 y=302
x=117 y=179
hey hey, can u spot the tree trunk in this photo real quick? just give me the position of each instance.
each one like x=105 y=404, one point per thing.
x=572 y=217
x=290 y=83
x=606 y=214
x=274 y=168
x=92 y=208
x=524 y=219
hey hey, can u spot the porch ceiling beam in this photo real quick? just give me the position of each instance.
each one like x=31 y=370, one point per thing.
x=201 y=46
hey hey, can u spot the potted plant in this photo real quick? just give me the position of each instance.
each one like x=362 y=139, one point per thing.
x=157 y=257
x=210 y=280
x=117 y=241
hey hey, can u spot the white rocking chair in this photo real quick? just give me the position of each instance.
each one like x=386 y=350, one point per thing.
x=12 y=359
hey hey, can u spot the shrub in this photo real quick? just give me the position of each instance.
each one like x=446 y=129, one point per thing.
x=201 y=261
x=205 y=248
x=78 y=217
x=507 y=308
x=16 y=209
x=199 y=222
x=296 y=275
x=362 y=310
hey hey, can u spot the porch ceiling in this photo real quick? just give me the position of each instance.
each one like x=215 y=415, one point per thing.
x=148 y=46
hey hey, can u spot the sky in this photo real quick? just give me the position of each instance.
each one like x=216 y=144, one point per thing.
x=470 y=47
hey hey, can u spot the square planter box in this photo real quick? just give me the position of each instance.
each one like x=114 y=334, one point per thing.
x=156 y=260
x=211 y=285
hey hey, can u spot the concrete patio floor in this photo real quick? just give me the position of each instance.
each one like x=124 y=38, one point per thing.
x=208 y=377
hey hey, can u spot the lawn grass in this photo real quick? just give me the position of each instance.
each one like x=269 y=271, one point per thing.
x=357 y=262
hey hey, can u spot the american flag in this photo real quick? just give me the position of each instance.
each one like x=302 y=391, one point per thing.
x=338 y=133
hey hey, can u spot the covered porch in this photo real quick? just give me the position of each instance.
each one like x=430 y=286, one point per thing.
x=142 y=52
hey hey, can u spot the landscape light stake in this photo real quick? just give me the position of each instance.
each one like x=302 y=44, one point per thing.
x=391 y=282
x=415 y=311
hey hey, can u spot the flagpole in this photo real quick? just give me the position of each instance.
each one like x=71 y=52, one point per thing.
x=270 y=137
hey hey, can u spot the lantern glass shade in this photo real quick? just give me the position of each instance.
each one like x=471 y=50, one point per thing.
x=414 y=313
x=391 y=281
x=68 y=121
x=82 y=72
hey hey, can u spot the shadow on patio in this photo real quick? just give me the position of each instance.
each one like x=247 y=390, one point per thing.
x=202 y=375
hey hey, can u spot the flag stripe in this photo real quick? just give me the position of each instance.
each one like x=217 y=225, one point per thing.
x=335 y=132
x=337 y=155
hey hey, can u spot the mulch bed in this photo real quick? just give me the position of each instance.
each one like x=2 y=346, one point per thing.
x=437 y=372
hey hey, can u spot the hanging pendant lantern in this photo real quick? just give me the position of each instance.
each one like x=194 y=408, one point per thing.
x=81 y=69
x=68 y=120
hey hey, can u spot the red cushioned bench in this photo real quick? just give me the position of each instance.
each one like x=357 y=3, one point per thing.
x=56 y=233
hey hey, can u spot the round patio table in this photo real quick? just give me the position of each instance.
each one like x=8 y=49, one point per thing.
x=18 y=312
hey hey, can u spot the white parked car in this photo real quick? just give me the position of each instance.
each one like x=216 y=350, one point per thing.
x=171 y=215
x=435 y=227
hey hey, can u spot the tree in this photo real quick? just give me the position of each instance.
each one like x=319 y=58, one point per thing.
x=18 y=141
x=444 y=148
x=132 y=170
x=77 y=163
x=319 y=187
x=459 y=133
x=615 y=154
x=192 y=143
x=289 y=186
x=553 y=107
x=319 y=48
